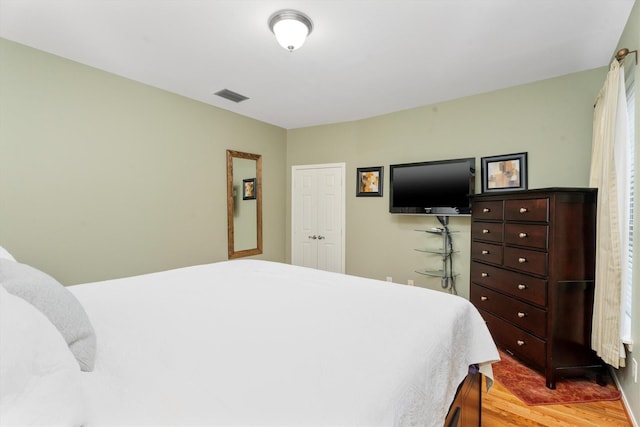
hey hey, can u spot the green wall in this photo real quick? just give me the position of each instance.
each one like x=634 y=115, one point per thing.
x=104 y=177
x=551 y=120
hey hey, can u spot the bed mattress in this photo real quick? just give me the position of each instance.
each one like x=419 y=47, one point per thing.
x=250 y=342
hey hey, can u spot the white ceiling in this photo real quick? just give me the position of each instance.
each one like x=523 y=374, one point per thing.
x=364 y=57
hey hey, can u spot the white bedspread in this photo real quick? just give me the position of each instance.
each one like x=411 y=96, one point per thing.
x=251 y=342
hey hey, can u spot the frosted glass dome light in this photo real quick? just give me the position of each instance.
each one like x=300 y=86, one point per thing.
x=291 y=28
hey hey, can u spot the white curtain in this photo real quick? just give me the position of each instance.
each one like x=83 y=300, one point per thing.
x=608 y=175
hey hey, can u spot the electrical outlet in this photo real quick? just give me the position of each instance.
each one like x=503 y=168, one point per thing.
x=389 y=279
x=410 y=282
x=634 y=369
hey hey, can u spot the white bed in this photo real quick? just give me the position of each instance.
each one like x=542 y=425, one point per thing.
x=249 y=342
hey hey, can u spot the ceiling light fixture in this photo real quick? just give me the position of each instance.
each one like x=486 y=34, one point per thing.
x=291 y=28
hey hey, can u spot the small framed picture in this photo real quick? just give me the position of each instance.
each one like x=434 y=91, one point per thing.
x=249 y=189
x=369 y=181
x=504 y=173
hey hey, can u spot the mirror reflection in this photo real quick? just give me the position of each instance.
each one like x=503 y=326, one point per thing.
x=244 y=203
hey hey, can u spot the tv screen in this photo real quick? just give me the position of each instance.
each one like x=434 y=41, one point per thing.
x=440 y=187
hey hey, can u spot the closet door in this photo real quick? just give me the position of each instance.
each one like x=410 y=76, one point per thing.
x=304 y=218
x=318 y=213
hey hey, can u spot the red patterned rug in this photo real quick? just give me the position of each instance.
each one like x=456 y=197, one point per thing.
x=529 y=385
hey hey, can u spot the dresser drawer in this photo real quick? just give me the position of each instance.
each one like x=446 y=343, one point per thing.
x=487 y=231
x=531 y=235
x=527 y=210
x=487 y=252
x=521 y=314
x=527 y=288
x=526 y=260
x=515 y=340
x=487 y=210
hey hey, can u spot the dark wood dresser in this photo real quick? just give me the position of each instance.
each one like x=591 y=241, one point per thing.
x=532 y=276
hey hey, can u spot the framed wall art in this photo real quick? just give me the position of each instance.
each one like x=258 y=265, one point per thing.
x=504 y=173
x=369 y=181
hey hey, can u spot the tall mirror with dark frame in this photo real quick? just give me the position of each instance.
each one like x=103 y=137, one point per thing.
x=244 y=203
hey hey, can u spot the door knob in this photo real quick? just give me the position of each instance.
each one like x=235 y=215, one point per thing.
x=314 y=237
x=320 y=237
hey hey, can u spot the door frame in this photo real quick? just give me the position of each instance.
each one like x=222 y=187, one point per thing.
x=343 y=214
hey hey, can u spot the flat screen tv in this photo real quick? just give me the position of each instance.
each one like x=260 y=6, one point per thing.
x=439 y=187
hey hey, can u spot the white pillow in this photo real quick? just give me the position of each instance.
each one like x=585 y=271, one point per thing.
x=39 y=377
x=56 y=302
x=5 y=254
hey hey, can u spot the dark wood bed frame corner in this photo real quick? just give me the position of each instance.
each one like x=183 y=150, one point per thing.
x=466 y=409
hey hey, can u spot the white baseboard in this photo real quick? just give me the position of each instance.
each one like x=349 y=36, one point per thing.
x=625 y=402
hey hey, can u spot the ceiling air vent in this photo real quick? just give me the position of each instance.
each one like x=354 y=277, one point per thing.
x=231 y=95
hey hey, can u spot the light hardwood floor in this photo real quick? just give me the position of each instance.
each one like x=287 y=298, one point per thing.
x=501 y=408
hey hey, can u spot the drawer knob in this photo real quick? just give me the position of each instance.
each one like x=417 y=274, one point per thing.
x=520 y=343
x=486 y=210
x=485 y=252
x=522 y=315
x=484 y=274
x=485 y=231
x=522 y=287
x=522 y=235
x=522 y=260
x=524 y=210
x=483 y=298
